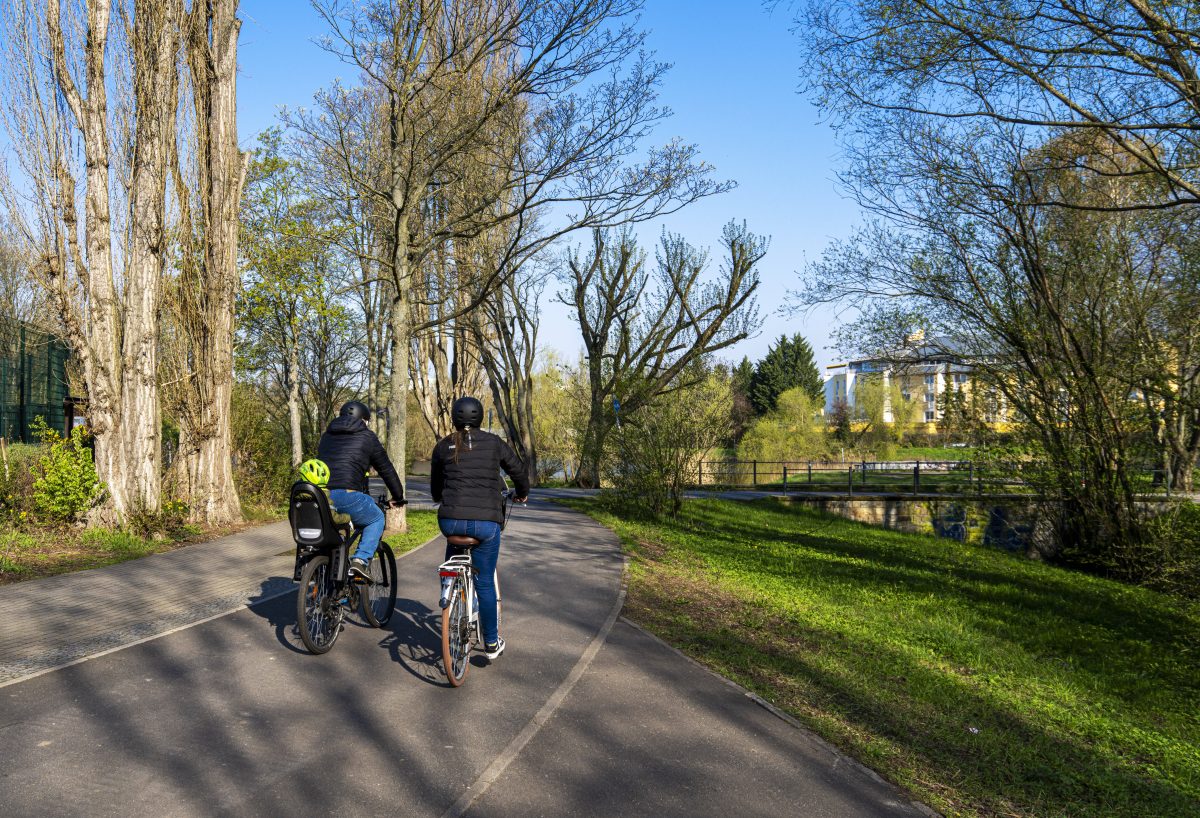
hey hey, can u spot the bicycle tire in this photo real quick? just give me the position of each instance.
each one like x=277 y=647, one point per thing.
x=456 y=635
x=318 y=614
x=379 y=598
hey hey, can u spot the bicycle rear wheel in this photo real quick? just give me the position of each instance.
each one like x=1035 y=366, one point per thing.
x=379 y=598
x=317 y=611
x=456 y=635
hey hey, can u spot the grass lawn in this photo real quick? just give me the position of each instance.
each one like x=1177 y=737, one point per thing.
x=985 y=684
x=44 y=552
x=422 y=527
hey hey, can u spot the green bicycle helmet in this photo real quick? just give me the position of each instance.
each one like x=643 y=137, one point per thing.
x=316 y=472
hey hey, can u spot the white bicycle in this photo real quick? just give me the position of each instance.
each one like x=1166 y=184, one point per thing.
x=460 y=604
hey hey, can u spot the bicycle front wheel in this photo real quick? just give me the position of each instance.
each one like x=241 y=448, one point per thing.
x=379 y=598
x=317 y=611
x=456 y=635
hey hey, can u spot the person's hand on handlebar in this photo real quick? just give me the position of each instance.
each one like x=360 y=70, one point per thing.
x=394 y=503
x=521 y=500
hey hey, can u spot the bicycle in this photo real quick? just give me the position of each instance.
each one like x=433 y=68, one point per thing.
x=460 y=604
x=324 y=542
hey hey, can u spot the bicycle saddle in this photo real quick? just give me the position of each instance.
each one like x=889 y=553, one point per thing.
x=462 y=541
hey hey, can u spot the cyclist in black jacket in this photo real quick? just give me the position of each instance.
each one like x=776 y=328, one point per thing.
x=349 y=449
x=465 y=479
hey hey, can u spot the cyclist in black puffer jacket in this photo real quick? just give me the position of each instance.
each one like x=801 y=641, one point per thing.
x=465 y=479
x=349 y=448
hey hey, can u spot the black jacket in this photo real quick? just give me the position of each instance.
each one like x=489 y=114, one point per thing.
x=349 y=449
x=468 y=486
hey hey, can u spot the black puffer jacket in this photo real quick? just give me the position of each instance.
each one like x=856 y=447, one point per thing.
x=349 y=448
x=468 y=485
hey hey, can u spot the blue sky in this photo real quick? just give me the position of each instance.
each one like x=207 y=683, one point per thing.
x=733 y=89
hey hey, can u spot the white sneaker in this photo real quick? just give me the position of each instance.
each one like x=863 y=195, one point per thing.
x=492 y=651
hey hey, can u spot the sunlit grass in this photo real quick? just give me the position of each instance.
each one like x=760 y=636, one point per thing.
x=422 y=527
x=984 y=683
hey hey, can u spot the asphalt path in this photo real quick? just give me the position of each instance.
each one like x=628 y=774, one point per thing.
x=231 y=716
x=234 y=717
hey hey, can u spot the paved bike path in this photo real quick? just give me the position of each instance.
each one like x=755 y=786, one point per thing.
x=232 y=717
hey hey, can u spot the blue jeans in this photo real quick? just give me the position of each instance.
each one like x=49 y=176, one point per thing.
x=484 y=557
x=365 y=514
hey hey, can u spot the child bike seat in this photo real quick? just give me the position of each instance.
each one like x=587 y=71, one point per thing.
x=313 y=520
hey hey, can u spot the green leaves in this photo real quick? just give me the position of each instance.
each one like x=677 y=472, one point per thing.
x=67 y=484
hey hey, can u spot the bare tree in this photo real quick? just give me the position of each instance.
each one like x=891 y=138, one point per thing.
x=1124 y=70
x=107 y=297
x=642 y=332
x=452 y=80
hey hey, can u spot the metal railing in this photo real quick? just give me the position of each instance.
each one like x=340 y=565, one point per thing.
x=875 y=476
x=917 y=476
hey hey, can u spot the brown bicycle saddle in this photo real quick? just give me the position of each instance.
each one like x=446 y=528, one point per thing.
x=462 y=541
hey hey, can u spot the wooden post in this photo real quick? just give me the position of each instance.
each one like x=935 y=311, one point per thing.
x=785 y=478
x=810 y=474
x=755 y=478
x=917 y=478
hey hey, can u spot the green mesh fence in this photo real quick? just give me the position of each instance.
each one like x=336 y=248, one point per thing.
x=33 y=380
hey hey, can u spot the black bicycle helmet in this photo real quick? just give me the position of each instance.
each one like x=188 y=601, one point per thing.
x=466 y=411
x=355 y=409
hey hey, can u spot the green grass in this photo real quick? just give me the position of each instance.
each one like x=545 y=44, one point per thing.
x=422 y=527
x=985 y=684
x=933 y=453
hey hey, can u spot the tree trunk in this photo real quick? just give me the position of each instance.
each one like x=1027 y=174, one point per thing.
x=208 y=464
x=293 y=376
x=136 y=483
x=397 y=420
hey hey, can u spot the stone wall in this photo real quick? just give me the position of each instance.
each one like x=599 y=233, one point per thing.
x=1006 y=523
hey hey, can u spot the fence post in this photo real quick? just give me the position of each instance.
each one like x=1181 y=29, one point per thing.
x=755 y=479
x=785 y=478
x=917 y=478
x=850 y=482
x=971 y=476
x=810 y=474
x=700 y=474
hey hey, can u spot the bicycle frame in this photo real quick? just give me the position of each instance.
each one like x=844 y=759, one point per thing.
x=463 y=567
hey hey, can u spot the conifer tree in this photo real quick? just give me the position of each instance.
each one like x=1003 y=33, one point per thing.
x=788 y=363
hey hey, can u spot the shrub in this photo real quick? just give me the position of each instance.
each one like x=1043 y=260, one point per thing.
x=66 y=483
x=16 y=482
x=655 y=451
x=788 y=432
x=1174 y=551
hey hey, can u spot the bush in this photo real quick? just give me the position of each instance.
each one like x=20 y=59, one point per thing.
x=1174 y=551
x=16 y=482
x=654 y=453
x=789 y=432
x=66 y=483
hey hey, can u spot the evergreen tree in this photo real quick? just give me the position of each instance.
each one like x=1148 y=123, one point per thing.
x=789 y=363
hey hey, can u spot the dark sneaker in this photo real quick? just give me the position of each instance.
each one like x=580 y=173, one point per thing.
x=359 y=569
x=492 y=651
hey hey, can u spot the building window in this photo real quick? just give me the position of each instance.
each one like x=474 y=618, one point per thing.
x=929 y=416
x=960 y=378
x=930 y=397
x=930 y=379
